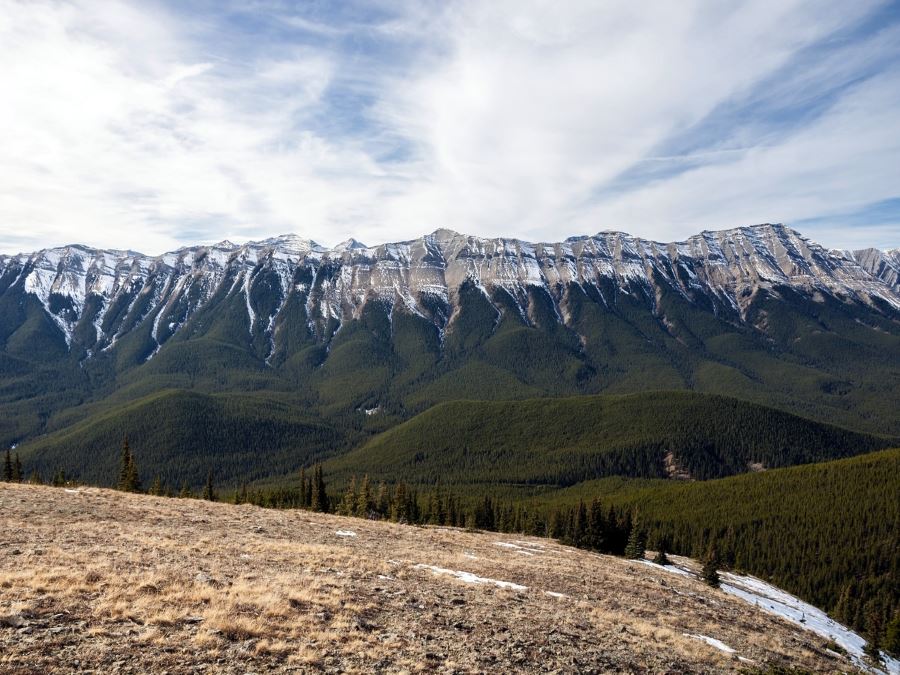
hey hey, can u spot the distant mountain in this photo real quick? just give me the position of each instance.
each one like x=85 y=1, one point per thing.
x=353 y=340
x=96 y=297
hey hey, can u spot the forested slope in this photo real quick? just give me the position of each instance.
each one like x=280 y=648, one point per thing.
x=564 y=441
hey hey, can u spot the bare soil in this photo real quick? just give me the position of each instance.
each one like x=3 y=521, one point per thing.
x=99 y=581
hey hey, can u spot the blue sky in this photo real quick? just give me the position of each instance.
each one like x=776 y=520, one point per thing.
x=151 y=125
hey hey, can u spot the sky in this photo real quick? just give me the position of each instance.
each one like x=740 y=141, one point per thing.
x=153 y=125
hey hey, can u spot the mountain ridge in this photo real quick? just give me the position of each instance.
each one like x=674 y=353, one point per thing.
x=78 y=286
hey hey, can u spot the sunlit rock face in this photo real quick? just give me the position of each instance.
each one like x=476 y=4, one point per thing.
x=95 y=297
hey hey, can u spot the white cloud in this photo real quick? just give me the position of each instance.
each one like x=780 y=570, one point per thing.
x=130 y=125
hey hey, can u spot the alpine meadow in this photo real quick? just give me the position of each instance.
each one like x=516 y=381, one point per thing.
x=484 y=441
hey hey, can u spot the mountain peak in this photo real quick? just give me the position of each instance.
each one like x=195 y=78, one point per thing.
x=350 y=244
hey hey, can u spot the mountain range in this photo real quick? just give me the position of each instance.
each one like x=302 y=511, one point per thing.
x=371 y=336
x=96 y=297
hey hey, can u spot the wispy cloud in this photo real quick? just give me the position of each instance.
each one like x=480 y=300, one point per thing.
x=149 y=125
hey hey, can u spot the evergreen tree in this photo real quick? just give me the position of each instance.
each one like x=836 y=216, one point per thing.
x=304 y=495
x=383 y=501
x=364 y=499
x=710 y=571
x=124 y=465
x=129 y=481
x=319 y=500
x=209 y=492
x=185 y=491
x=59 y=478
x=35 y=478
x=7 y=467
x=347 y=507
x=596 y=528
x=892 y=636
x=17 y=473
x=662 y=548
x=240 y=497
x=636 y=546
x=156 y=487
x=399 y=504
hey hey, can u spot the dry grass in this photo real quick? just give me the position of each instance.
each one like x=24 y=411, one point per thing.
x=107 y=582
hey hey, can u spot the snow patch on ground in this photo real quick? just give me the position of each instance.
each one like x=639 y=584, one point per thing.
x=773 y=600
x=345 y=533
x=776 y=601
x=667 y=568
x=528 y=549
x=554 y=594
x=712 y=642
x=470 y=578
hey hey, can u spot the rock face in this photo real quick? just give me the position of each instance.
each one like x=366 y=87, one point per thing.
x=95 y=297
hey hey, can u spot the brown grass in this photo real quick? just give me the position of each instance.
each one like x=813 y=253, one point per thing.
x=108 y=582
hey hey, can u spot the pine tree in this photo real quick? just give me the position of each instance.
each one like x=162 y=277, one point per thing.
x=17 y=473
x=59 y=478
x=304 y=495
x=185 y=490
x=129 y=481
x=319 y=500
x=596 y=528
x=124 y=465
x=240 y=497
x=347 y=507
x=364 y=499
x=892 y=636
x=662 y=548
x=636 y=546
x=156 y=487
x=209 y=492
x=383 y=501
x=710 y=571
x=7 y=467
x=399 y=504
x=35 y=478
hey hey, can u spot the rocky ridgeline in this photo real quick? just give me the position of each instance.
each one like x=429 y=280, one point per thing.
x=95 y=297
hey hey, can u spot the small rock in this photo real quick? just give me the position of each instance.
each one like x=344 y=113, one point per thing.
x=12 y=621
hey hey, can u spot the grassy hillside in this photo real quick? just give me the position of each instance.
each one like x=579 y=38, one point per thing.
x=237 y=589
x=564 y=441
x=181 y=435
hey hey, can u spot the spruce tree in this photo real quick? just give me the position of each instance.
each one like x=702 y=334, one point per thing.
x=209 y=492
x=399 y=504
x=156 y=487
x=124 y=464
x=129 y=481
x=892 y=636
x=59 y=478
x=304 y=495
x=347 y=507
x=364 y=499
x=636 y=546
x=596 y=528
x=319 y=499
x=383 y=501
x=7 y=468
x=710 y=571
x=662 y=548
x=185 y=490
x=17 y=473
